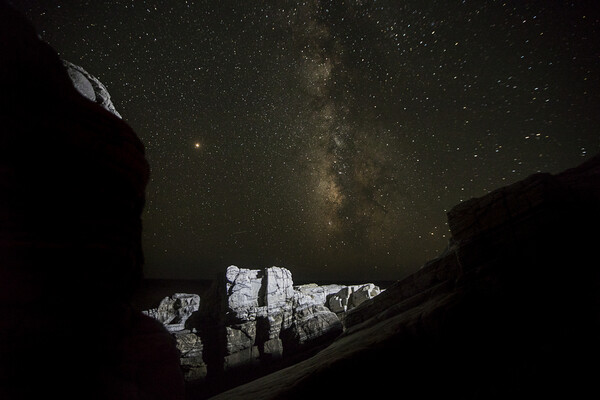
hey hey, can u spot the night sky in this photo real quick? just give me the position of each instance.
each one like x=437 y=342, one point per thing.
x=331 y=137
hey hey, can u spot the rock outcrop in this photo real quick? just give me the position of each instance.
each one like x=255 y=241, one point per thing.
x=72 y=184
x=352 y=296
x=191 y=349
x=252 y=321
x=90 y=87
x=262 y=316
x=510 y=310
x=313 y=294
x=173 y=311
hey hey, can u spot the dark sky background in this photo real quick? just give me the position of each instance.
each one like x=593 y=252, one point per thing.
x=331 y=137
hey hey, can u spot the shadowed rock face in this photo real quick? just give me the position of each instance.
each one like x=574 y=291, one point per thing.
x=510 y=310
x=72 y=182
x=73 y=175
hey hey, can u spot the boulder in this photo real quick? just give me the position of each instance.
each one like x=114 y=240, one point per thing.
x=362 y=294
x=258 y=305
x=240 y=337
x=173 y=311
x=280 y=289
x=191 y=360
x=313 y=324
x=242 y=288
x=279 y=302
x=350 y=297
x=313 y=294
x=272 y=349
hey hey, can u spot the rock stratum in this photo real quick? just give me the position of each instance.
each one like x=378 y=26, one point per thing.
x=510 y=310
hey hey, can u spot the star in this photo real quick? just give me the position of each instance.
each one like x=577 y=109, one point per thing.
x=337 y=133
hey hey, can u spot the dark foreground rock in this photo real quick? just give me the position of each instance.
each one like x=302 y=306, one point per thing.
x=510 y=310
x=72 y=183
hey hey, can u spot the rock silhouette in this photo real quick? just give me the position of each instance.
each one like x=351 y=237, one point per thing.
x=72 y=182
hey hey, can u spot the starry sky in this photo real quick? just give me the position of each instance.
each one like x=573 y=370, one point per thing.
x=332 y=137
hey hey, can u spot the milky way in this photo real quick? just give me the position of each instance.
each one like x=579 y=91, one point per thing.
x=332 y=137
